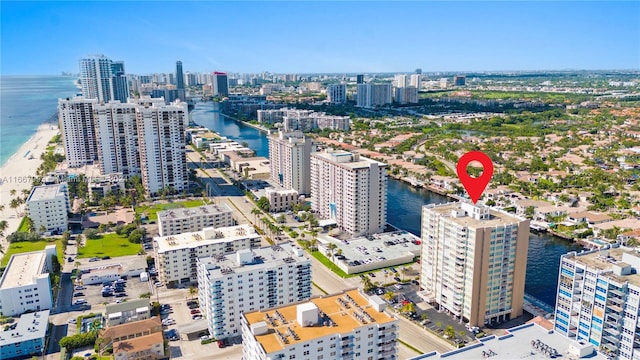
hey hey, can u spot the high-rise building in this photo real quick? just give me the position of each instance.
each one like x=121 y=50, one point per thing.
x=401 y=80
x=416 y=81
x=337 y=93
x=117 y=138
x=177 y=255
x=96 y=74
x=598 y=300
x=406 y=95
x=180 y=81
x=220 y=84
x=49 y=208
x=161 y=139
x=359 y=79
x=250 y=280
x=371 y=95
x=119 y=81
x=474 y=262
x=459 y=80
x=418 y=71
x=289 y=155
x=350 y=189
x=78 y=130
x=347 y=325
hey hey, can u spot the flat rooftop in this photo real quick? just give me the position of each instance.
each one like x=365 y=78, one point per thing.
x=605 y=260
x=29 y=327
x=517 y=343
x=137 y=344
x=496 y=219
x=47 y=192
x=185 y=213
x=207 y=236
x=347 y=159
x=344 y=318
x=22 y=269
x=262 y=258
x=397 y=245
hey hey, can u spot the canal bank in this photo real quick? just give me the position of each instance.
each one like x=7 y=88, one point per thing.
x=404 y=206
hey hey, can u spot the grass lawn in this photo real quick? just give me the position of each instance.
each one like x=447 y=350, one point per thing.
x=327 y=262
x=27 y=246
x=152 y=211
x=23 y=225
x=110 y=244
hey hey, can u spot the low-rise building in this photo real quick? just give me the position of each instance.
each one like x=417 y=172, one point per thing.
x=178 y=221
x=250 y=280
x=149 y=347
x=25 y=284
x=134 y=329
x=48 y=207
x=347 y=325
x=128 y=311
x=177 y=255
x=26 y=339
x=101 y=186
x=281 y=200
x=102 y=274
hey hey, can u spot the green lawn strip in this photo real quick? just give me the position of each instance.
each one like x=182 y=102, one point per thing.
x=23 y=225
x=333 y=267
x=410 y=347
x=152 y=211
x=110 y=244
x=319 y=288
x=27 y=246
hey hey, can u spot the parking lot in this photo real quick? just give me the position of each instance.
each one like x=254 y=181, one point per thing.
x=92 y=294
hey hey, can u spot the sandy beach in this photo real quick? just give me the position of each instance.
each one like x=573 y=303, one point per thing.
x=18 y=172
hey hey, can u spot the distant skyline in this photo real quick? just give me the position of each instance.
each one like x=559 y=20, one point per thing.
x=320 y=37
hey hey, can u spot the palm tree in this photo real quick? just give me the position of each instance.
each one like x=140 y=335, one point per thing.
x=255 y=212
x=404 y=272
x=3 y=226
x=14 y=204
x=366 y=283
x=449 y=332
x=193 y=291
x=42 y=229
x=389 y=295
x=30 y=226
x=2 y=209
x=13 y=192
x=331 y=248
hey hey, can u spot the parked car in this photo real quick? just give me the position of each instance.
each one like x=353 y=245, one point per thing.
x=397 y=279
x=72 y=321
x=121 y=294
x=94 y=259
x=106 y=257
x=205 y=337
x=197 y=317
x=80 y=287
x=158 y=284
x=70 y=259
x=195 y=311
x=80 y=302
x=78 y=294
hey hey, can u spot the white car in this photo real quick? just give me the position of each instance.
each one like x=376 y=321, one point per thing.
x=205 y=337
x=72 y=321
x=158 y=284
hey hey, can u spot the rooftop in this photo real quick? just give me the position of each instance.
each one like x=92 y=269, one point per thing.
x=184 y=213
x=252 y=260
x=495 y=219
x=48 y=192
x=22 y=269
x=337 y=315
x=131 y=327
x=347 y=159
x=129 y=305
x=525 y=341
x=207 y=236
x=30 y=326
x=608 y=260
x=139 y=343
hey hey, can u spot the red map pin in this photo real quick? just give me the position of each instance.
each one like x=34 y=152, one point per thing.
x=475 y=186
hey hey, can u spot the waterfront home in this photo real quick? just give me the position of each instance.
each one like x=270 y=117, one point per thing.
x=623 y=225
x=522 y=205
x=589 y=217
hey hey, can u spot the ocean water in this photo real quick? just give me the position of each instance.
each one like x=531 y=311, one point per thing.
x=25 y=103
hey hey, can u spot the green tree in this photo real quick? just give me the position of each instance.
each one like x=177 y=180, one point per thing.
x=193 y=291
x=263 y=204
x=449 y=332
x=30 y=226
x=331 y=248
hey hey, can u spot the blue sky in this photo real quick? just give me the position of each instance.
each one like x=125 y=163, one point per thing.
x=305 y=37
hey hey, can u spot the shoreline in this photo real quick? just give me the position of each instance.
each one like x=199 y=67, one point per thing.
x=18 y=172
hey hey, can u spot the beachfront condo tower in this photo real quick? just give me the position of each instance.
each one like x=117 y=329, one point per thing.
x=78 y=130
x=350 y=190
x=103 y=79
x=289 y=155
x=474 y=262
x=161 y=139
x=117 y=138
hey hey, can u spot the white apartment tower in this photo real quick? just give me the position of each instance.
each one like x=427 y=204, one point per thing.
x=416 y=81
x=78 y=130
x=372 y=95
x=401 y=80
x=337 y=93
x=161 y=140
x=347 y=325
x=350 y=189
x=474 y=261
x=178 y=221
x=117 y=134
x=49 y=208
x=177 y=255
x=250 y=280
x=96 y=78
x=289 y=154
x=598 y=300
